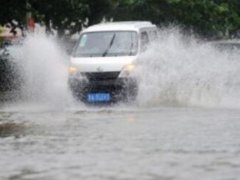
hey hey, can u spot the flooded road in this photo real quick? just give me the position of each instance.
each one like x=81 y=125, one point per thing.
x=184 y=125
x=120 y=143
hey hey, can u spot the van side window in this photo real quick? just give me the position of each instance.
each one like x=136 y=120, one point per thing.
x=144 y=41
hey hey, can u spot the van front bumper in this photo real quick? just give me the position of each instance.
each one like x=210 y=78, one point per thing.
x=119 y=89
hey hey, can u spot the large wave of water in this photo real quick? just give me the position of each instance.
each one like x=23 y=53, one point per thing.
x=42 y=65
x=181 y=70
x=177 y=70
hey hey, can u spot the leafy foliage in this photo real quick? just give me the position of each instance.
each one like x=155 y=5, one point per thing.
x=206 y=17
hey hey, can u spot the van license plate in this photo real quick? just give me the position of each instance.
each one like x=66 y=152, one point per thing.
x=98 y=97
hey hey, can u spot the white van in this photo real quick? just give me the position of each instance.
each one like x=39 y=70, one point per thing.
x=104 y=58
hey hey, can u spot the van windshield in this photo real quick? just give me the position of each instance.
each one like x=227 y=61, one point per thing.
x=109 y=43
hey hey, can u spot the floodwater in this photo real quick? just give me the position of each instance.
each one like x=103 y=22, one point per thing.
x=185 y=123
x=120 y=143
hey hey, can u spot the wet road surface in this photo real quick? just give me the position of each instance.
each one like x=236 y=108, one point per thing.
x=120 y=142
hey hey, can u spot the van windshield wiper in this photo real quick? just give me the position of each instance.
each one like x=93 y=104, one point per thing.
x=109 y=46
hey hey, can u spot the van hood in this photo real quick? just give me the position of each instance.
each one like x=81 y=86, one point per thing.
x=101 y=64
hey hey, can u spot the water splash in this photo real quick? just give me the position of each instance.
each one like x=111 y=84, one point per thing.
x=177 y=70
x=42 y=64
x=181 y=70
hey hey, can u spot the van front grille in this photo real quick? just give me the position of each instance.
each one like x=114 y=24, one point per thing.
x=98 y=76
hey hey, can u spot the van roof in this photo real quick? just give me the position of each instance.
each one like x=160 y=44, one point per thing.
x=121 y=26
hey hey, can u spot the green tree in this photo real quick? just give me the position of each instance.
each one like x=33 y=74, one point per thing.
x=70 y=15
x=205 y=17
x=13 y=10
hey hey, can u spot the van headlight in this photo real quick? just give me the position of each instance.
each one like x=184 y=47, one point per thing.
x=72 y=70
x=127 y=70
